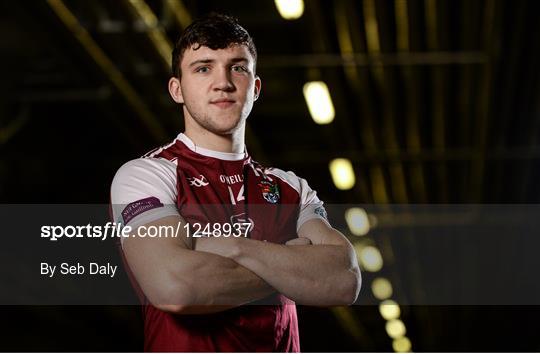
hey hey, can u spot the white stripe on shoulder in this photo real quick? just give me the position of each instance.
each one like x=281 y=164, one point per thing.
x=289 y=177
x=154 y=152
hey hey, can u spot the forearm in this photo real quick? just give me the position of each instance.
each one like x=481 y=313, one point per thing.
x=222 y=283
x=176 y=278
x=310 y=275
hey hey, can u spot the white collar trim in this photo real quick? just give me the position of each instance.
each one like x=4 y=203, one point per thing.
x=228 y=156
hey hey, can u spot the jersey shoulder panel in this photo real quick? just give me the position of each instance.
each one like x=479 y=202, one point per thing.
x=144 y=186
x=311 y=207
x=300 y=185
x=145 y=177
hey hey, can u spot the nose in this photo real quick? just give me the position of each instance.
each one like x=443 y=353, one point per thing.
x=223 y=80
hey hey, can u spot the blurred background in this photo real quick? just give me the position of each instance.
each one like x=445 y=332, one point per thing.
x=372 y=101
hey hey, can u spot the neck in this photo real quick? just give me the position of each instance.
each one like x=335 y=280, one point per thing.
x=232 y=143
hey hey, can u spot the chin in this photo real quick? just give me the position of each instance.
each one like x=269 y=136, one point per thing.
x=228 y=128
x=223 y=130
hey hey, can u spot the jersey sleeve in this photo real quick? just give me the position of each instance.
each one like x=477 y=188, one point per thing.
x=144 y=190
x=311 y=207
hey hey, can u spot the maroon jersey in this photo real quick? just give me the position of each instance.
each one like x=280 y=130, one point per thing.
x=209 y=187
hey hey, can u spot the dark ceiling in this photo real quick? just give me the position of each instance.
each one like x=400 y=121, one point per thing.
x=437 y=102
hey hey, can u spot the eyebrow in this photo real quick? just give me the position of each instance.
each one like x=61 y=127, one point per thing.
x=239 y=59
x=201 y=61
x=208 y=61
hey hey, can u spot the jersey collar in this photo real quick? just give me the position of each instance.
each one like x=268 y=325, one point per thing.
x=228 y=156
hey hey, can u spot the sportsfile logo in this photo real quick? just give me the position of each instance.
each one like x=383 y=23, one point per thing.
x=112 y=230
x=102 y=232
x=239 y=228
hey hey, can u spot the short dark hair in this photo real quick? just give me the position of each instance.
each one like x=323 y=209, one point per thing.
x=215 y=31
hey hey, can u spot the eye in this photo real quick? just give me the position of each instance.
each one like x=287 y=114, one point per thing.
x=239 y=68
x=202 y=69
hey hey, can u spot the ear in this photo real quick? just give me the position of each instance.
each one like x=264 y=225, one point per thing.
x=175 y=90
x=258 y=86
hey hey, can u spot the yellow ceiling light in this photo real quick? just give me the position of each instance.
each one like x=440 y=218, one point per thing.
x=373 y=221
x=342 y=173
x=381 y=288
x=358 y=221
x=109 y=68
x=180 y=12
x=155 y=32
x=290 y=9
x=370 y=259
x=395 y=328
x=401 y=345
x=319 y=102
x=389 y=310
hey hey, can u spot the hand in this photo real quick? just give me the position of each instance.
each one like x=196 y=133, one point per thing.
x=299 y=241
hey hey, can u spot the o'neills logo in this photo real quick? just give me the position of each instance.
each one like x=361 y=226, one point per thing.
x=238 y=178
x=138 y=207
x=197 y=181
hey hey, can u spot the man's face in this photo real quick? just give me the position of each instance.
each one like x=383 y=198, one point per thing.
x=218 y=87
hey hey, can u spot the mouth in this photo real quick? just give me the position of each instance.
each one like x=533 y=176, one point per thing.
x=223 y=103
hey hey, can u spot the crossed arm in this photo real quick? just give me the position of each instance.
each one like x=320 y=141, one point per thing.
x=214 y=274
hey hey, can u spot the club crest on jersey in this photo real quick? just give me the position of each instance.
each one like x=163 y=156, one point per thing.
x=270 y=191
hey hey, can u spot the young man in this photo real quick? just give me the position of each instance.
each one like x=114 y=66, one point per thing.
x=224 y=292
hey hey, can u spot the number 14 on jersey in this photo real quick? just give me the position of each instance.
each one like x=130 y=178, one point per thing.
x=239 y=196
